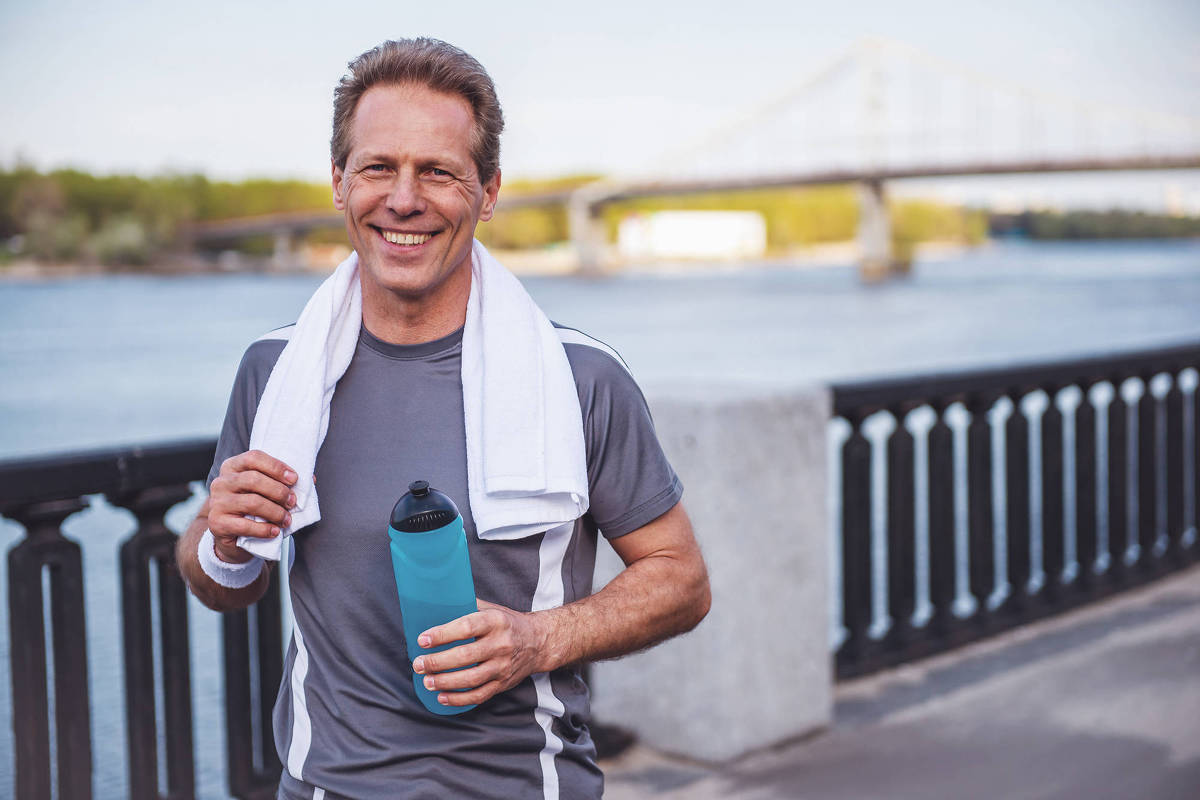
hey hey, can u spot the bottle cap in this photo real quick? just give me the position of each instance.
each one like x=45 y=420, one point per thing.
x=423 y=509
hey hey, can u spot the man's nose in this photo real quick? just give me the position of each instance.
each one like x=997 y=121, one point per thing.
x=405 y=197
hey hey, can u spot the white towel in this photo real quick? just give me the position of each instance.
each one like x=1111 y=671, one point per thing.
x=293 y=413
x=526 y=465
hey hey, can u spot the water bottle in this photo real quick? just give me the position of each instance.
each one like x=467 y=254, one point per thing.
x=433 y=573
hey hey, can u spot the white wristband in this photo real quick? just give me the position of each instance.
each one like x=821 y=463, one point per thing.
x=231 y=576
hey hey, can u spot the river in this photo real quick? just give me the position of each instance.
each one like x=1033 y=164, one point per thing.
x=96 y=361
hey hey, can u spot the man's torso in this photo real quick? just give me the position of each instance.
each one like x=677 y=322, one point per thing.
x=347 y=719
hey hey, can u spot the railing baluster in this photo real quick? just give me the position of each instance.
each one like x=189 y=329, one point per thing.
x=1147 y=447
x=1175 y=470
x=44 y=546
x=1194 y=549
x=979 y=476
x=942 y=565
x=246 y=782
x=902 y=587
x=1118 y=485
x=1016 y=471
x=856 y=547
x=1086 y=533
x=152 y=547
x=1052 y=499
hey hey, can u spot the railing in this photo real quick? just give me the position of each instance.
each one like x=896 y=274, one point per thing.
x=40 y=494
x=977 y=501
x=966 y=507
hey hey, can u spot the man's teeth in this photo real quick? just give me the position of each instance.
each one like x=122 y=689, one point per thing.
x=407 y=238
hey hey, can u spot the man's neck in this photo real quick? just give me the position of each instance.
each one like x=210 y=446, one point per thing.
x=399 y=320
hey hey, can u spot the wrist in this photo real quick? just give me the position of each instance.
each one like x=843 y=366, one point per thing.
x=231 y=575
x=230 y=554
x=552 y=632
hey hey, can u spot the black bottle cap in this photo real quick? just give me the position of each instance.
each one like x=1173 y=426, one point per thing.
x=423 y=509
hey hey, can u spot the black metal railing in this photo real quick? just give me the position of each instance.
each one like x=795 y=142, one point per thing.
x=975 y=512
x=957 y=524
x=40 y=494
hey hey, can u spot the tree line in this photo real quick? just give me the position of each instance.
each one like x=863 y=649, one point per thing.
x=70 y=215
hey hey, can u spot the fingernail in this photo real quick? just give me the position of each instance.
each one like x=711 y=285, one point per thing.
x=419 y=664
x=429 y=683
x=289 y=476
x=275 y=531
x=443 y=699
x=292 y=500
x=287 y=519
x=423 y=640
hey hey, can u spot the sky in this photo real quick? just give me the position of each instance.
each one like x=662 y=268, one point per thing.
x=244 y=89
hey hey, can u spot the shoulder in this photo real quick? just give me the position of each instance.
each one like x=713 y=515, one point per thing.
x=591 y=360
x=263 y=352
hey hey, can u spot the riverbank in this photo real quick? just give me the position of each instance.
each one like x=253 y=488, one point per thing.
x=558 y=260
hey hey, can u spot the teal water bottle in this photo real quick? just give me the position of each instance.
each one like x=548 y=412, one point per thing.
x=433 y=573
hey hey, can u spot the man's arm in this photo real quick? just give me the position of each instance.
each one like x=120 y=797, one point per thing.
x=663 y=591
x=250 y=484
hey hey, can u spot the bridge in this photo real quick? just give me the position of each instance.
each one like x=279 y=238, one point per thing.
x=880 y=112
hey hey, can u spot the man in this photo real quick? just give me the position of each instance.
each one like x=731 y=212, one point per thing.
x=415 y=155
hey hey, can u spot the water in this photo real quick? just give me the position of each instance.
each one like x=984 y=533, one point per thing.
x=103 y=361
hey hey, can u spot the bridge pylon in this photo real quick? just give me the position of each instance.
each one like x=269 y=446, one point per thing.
x=877 y=260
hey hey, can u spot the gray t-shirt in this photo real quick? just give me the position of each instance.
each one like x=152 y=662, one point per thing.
x=347 y=722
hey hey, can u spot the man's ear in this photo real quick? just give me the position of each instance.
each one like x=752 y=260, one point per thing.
x=339 y=200
x=491 y=191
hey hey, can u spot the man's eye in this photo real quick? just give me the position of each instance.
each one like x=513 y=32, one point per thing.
x=376 y=168
x=440 y=173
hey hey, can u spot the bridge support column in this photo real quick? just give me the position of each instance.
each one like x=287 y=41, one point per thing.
x=587 y=232
x=874 y=232
x=284 y=256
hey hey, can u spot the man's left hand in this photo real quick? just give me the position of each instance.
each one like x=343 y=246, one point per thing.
x=507 y=649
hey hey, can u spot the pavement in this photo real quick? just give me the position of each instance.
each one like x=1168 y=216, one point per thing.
x=1102 y=702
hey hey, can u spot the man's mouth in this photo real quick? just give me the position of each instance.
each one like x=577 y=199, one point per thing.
x=406 y=238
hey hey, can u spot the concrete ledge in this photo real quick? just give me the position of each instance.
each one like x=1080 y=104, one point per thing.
x=757 y=670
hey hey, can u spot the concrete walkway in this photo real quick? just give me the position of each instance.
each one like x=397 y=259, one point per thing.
x=1103 y=702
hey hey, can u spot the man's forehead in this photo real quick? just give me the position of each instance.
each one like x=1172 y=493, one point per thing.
x=402 y=115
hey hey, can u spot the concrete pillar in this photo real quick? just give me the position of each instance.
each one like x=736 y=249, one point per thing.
x=874 y=232
x=757 y=671
x=587 y=231
x=283 y=258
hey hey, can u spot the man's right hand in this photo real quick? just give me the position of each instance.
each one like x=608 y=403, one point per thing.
x=250 y=484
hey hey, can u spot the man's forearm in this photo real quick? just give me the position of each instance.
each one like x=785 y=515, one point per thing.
x=211 y=593
x=661 y=593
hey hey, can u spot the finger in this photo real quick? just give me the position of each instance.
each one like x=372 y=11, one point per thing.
x=231 y=527
x=468 y=678
x=464 y=655
x=472 y=697
x=465 y=627
x=254 y=482
x=252 y=505
x=261 y=462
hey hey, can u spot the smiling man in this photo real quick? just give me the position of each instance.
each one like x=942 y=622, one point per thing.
x=415 y=162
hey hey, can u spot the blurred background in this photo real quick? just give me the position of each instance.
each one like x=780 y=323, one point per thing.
x=792 y=192
x=777 y=194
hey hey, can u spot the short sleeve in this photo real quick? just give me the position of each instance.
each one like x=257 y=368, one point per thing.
x=630 y=481
x=257 y=363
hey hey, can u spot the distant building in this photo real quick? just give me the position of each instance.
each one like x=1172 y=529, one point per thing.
x=693 y=234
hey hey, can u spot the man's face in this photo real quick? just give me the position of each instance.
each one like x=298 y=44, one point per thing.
x=411 y=192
